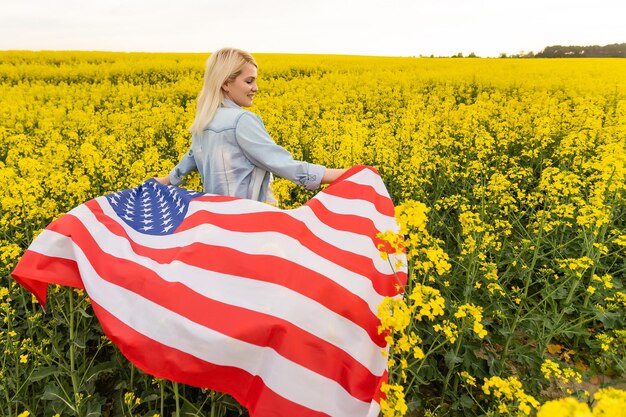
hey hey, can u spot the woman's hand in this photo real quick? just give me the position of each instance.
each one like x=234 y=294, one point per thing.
x=163 y=180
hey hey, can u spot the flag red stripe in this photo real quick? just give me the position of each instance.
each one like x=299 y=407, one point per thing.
x=355 y=191
x=354 y=170
x=346 y=222
x=261 y=267
x=350 y=223
x=341 y=222
x=253 y=327
x=283 y=223
x=172 y=364
x=316 y=346
x=34 y=272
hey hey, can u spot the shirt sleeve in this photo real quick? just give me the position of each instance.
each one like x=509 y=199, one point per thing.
x=184 y=167
x=262 y=151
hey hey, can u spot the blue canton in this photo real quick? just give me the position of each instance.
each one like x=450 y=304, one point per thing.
x=152 y=208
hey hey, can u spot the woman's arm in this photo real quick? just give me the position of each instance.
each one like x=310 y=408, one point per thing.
x=331 y=174
x=261 y=150
x=184 y=167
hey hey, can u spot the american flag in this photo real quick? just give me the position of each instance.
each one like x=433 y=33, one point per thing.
x=274 y=307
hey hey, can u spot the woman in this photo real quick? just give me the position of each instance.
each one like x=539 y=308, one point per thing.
x=230 y=146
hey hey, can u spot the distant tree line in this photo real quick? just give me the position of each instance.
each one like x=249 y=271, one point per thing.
x=615 y=50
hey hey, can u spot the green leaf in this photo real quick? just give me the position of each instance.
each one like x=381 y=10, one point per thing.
x=466 y=401
x=96 y=370
x=44 y=372
x=559 y=294
x=94 y=407
x=151 y=397
x=569 y=310
x=610 y=320
x=53 y=393
x=415 y=404
x=469 y=355
x=83 y=313
x=80 y=341
x=451 y=359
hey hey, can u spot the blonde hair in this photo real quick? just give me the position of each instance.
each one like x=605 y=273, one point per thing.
x=221 y=67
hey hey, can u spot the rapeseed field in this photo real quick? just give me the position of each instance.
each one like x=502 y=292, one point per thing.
x=509 y=179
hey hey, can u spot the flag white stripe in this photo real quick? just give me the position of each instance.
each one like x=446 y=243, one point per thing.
x=365 y=209
x=370 y=179
x=288 y=379
x=351 y=242
x=335 y=204
x=54 y=245
x=250 y=294
x=252 y=243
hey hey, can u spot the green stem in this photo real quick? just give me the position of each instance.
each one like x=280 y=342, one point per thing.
x=601 y=238
x=469 y=392
x=193 y=407
x=177 y=399
x=4 y=357
x=72 y=351
x=212 y=403
x=432 y=348
x=83 y=381
x=6 y=392
x=162 y=383
x=395 y=274
x=574 y=286
x=518 y=312
x=449 y=374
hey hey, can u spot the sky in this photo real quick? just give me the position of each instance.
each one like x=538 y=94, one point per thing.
x=352 y=27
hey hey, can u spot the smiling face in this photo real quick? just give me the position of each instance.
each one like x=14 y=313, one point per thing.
x=241 y=90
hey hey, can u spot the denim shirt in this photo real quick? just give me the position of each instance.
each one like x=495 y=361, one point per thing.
x=231 y=147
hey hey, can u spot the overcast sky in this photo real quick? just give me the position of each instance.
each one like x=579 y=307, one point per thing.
x=355 y=27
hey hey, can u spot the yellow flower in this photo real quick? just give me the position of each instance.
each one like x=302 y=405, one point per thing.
x=481 y=157
x=576 y=265
x=393 y=403
x=606 y=280
x=476 y=313
x=551 y=369
x=564 y=407
x=469 y=380
x=418 y=353
x=605 y=341
x=510 y=392
x=131 y=399
x=423 y=250
x=449 y=329
x=610 y=402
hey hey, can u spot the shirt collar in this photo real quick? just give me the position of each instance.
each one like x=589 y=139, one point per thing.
x=229 y=103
